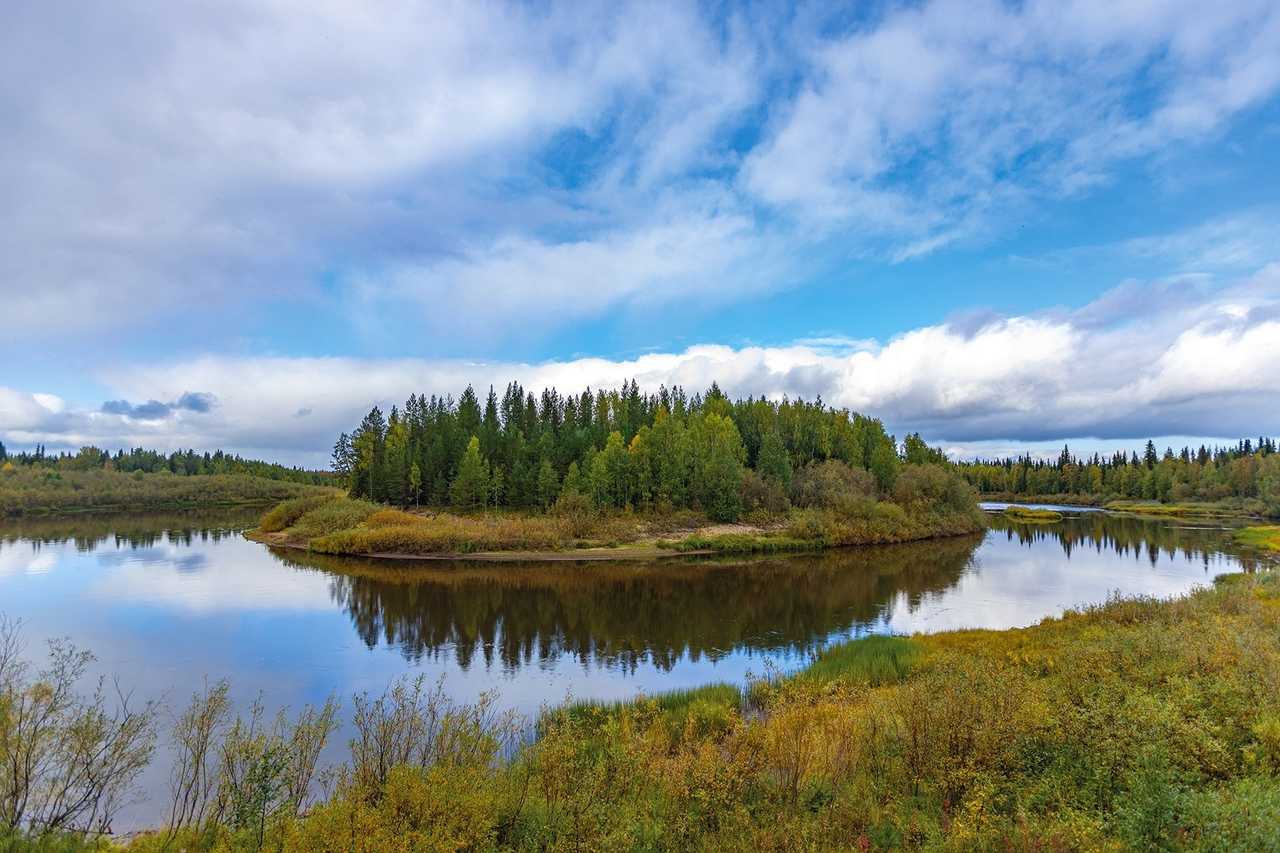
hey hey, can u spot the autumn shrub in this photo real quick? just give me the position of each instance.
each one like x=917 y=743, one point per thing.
x=932 y=487
x=448 y=534
x=330 y=517
x=830 y=484
x=761 y=494
x=287 y=513
x=392 y=517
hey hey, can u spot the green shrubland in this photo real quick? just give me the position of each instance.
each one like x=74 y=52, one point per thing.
x=44 y=489
x=1030 y=515
x=836 y=505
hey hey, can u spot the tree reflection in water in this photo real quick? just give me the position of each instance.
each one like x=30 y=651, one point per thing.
x=621 y=614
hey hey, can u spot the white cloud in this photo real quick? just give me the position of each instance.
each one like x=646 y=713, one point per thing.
x=929 y=122
x=472 y=155
x=1202 y=366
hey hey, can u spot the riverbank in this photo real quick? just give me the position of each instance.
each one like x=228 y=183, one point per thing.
x=1266 y=537
x=1226 y=508
x=349 y=527
x=43 y=491
x=959 y=740
x=1134 y=724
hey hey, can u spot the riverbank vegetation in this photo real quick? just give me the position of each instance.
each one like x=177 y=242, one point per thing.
x=1265 y=538
x=661 y=471
x=1030 y=515
x=1243 y=480
x=829 y=504
x=95 y=480
x=39 y=489
x=1134 y=724
x=179 y=462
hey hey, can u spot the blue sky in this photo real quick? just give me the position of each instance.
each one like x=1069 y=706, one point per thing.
x=1004 y=225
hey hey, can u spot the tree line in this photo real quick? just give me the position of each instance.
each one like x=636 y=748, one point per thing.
x=614 y=448
x=180 y=462
x=1249 y=470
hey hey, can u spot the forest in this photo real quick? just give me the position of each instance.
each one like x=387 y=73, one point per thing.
x=94 y=480
x=179 y=462
x=1247 y=475
x=619 y=448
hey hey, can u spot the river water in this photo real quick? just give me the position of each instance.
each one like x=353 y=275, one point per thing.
x=166 y=602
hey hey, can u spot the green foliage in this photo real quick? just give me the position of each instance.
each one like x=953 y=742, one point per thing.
x=1261 y=537
x=875 y=661
x=1239 y=480
x=285 y=514
x=1134 y=724
x=470 y=488
x=330 y=517
x=1028 y=515
x=39 y=489
x=832 y=484
x=621 y=448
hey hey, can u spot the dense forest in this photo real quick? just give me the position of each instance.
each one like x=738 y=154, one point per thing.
x=1249 y=471
x=181 y=462
x=619 y=448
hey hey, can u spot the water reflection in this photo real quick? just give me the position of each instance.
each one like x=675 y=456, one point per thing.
x=166 y=601
x=619 y=615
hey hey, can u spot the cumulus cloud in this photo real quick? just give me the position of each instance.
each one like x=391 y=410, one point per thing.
x=1198 y=367
x=486 y=157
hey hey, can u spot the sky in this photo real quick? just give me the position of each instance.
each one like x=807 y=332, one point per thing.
x=1004 y=225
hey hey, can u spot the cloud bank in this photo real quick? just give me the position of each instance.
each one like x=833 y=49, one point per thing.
x=1143 y=360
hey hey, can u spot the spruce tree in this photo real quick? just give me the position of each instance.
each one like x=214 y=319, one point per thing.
x=470 y=488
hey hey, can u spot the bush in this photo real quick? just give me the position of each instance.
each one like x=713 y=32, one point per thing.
x=831 y=485
x=761 y=494
x=932 y=487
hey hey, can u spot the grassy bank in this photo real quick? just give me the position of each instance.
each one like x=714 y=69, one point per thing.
x=1266 y=538
x=34 y=490
x=1029 y=515
x=1205 y=509
x=1135 y=724
x=345 y=526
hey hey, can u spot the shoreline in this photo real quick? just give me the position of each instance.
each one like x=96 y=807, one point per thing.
x=588 y=555
x=646 y=552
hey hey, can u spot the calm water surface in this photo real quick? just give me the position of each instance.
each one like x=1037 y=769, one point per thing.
x=165 y=602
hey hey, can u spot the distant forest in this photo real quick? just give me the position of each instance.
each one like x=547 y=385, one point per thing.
x=619 y=448
x=1250 y=470
x=180 y=462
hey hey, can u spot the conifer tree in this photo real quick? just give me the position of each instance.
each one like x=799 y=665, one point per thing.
x=470 y=488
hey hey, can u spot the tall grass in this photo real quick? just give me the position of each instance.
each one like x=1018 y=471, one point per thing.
x=1266 y=538
x=874 y=661
x=286 y=513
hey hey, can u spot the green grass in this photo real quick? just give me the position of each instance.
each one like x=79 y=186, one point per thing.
x=1266 y=538
x=742 y=543
x=1031 y=515
x=1190 y=509
x=287 y=513
x=875 y=660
